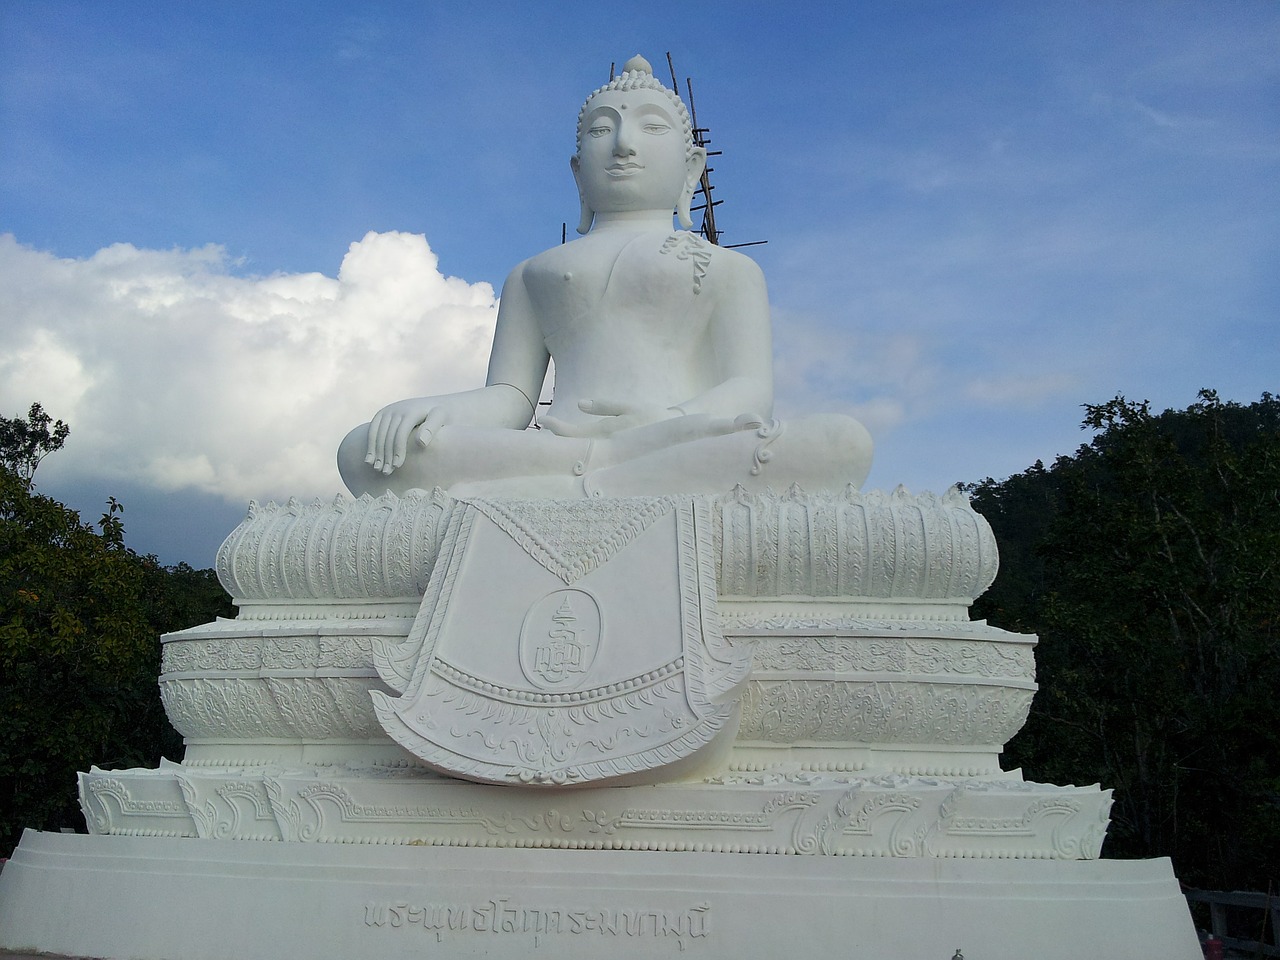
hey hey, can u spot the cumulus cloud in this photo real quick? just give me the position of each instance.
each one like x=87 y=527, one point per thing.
x=880 y=378
x=1017 y=389
x=176 y=372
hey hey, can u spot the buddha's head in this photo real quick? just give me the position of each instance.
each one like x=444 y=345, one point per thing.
x=635 y=149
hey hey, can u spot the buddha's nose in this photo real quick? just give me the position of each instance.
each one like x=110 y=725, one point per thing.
x=624 y=142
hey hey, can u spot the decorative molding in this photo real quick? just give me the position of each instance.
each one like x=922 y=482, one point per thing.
x=296 y=650
x=341 y=549
x=240 y=681
x=252 y=707
x=853 y=544
x=868 y=546
x=797 y=814
x=689 y=246
x=138 y=803
x=231 y=809
x=752 y=619
x=767 y=431
x=921 y=655
x=882 y=712
x=570 y=538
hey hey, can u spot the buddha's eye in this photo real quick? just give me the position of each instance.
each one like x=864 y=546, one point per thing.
x=600 y=131
x=656 y=128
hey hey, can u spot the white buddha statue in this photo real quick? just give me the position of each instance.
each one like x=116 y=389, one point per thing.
x=661 y=342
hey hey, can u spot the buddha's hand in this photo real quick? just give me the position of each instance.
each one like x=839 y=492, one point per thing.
x=611 y=416
x=391 y=426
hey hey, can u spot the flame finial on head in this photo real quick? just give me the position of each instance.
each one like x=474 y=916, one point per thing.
x=638 y=64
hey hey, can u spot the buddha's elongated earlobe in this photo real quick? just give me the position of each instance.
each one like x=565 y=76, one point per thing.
x=587 y=215
x=682 y=208
x=694 y=165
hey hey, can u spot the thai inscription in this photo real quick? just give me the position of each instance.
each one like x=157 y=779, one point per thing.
x=500 y=916
x=560 y=638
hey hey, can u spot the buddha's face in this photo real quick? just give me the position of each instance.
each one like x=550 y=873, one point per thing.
x=633 y=155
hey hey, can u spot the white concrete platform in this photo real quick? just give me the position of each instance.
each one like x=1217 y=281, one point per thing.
x=153 y=898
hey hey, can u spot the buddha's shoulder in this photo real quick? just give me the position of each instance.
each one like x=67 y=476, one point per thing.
x=591 y=251
x=687 y=244
x=716 y=265
x=731 y=261
x=555 y=260
x=537 y=261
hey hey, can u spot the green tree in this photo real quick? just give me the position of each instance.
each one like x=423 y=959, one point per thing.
x=24 y=443
x=1149 y=564
x=80 y=616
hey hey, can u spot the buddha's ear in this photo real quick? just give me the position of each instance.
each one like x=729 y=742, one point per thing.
x=587 y=214
x=693 y=167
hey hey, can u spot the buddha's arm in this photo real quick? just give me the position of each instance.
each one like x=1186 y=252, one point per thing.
x=517 y=366
x=519 y=358
x=741 y=346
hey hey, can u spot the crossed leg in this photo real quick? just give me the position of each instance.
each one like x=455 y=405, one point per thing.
x=695 y=454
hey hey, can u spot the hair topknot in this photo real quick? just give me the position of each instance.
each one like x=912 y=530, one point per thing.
x=637 y=74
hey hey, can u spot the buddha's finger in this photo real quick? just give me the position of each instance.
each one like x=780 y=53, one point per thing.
x=371 y=452
x=377 y=427
x=434 y=421
x=399 y=444
x=386 y=430
x=562 y=428
x=719 y=425
x=607 y=408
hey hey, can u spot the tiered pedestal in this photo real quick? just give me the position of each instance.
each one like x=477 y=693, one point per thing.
x=860 y=811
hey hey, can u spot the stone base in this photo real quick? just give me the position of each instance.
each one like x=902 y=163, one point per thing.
x=849 y=610
x=801 y=813
x=828 y=691
x=154 y=898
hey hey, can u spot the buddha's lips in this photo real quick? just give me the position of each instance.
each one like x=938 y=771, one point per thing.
x=623 y=169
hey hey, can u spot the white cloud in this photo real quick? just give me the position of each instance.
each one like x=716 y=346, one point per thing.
x=26 y=366
x=1021 y=390
x=879 y=378
x=171 y=369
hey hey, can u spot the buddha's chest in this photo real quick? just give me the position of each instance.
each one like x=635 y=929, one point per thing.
x=619 y=286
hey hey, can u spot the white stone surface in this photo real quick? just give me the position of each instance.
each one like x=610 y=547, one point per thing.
x=799 y=813
x=852 y=606
x=160 y=899
x=661 y=342
x=567 y=642
x=921 y=555
x=934 y=698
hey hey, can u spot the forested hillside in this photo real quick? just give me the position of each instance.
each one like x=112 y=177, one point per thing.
x=1149 y=564
x=80 y=620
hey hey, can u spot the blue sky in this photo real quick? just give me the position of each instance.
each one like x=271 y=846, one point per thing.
x=235 y=230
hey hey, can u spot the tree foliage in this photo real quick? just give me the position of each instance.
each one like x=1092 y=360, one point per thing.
x=1149 y=564
x=80 y=618
x=24 y=443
